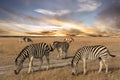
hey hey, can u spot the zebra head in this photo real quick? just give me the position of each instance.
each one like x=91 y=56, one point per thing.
x=74 y=67
x=19 y=66
x=69 y=40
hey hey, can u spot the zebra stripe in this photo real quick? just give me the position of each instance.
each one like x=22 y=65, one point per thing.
x=62 y=47
x=97 y=52
x=37 y=50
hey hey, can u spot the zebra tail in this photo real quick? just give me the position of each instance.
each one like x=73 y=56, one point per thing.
x=111 y=54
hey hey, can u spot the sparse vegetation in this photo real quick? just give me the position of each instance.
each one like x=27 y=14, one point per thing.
x=10 y=47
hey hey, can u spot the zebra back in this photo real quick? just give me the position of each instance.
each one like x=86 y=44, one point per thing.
x=64 y=45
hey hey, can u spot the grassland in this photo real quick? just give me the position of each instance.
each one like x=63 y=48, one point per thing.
x=10 y=48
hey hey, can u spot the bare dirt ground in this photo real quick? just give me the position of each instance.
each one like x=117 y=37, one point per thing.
x=10 y=48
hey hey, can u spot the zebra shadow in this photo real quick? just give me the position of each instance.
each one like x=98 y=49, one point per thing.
x=51 y=68
x=68 y=57
x=111 y=70
x=65 y=62
x=61 y=63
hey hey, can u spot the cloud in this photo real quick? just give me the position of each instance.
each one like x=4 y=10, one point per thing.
x=11 y=33
x=88 y=5
x=3 y=31
x=20 y=27
x=116 y=1
x=50 y=27
x=52 y=13
x=74 y=7
x=45 y=26
x=67 y=25
x=109 y=19
x=18 y=17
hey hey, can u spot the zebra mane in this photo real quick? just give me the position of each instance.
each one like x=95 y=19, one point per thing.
x=16 y=60
x=72 y=61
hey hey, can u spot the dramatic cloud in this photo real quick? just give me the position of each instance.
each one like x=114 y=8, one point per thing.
x=20 y=27
x=51 y=27
x=109 y=19
x=66 y=25
x=79 y=6
x=60 y=17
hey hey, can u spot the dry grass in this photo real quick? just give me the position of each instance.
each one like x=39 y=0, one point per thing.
x=10 y=47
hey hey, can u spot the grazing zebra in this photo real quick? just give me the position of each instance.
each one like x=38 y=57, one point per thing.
x=97 y=52
x=69 y=39
x=32 y=51
x=25 y=39
x=61 y=47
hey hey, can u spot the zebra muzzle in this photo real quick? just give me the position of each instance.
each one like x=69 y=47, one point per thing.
x=15 y=72
x=73 y=73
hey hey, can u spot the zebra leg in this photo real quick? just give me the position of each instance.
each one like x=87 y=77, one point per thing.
x=58 y=56
x=101 y=64
x=65 y=54
x=61 y=52
x=47 y=58
x=30 y=64
x=106 y=65
x=84 y=67
x=41 y=62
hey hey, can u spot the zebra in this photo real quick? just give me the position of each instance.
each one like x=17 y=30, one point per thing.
x=69 y=39
x=25 y=39
x=61 y=47
x=96 y=52
x=37 y=50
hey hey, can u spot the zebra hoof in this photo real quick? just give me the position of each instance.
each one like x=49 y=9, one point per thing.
x=84 y=73
x=47 y=69
x=74 y=74
x=15 y=72
x=28 y=72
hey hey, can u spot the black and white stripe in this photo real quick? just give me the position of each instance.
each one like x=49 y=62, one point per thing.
x=32 y=51
x=62 y=47
x=97 y=52
x=25 y=39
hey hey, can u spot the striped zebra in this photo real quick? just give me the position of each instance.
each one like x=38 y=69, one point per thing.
x=32 y=51
x=97 y=52
x=62 y=47
x=69 y=39
x=25 y=39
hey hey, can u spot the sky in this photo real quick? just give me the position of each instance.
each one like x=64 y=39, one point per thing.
x=59 y=17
